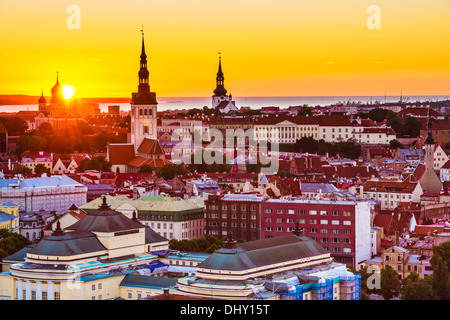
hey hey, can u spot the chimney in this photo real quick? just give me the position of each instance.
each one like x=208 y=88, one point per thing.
x=134 y=194
x=396 y=238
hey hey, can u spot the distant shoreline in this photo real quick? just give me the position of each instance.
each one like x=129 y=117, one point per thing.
x=13 y=103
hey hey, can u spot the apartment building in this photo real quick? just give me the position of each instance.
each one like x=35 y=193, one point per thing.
x=342 y=227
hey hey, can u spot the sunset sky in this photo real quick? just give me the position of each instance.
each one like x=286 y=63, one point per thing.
x=268 y=48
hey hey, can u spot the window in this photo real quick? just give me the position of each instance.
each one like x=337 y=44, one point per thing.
x=335 y=222
x=323 y=213
x=130 y=294
x=347 y=223
x=312 y=221
x=346 y=213
x=323 y=230
x=312 y=230
x=268 y=210
x=93 y=287
x=290 y=211
x=312 y=212
x=323 y=221
x=335 y=213
x=302 y=212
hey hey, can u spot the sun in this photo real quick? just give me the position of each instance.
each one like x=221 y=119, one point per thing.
x=68 y=91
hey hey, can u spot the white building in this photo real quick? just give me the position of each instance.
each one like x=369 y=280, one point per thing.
x=389 y=193
x=56 y=193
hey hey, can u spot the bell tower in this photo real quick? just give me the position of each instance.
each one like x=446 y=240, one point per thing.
x=220 y=93
x=143 y=105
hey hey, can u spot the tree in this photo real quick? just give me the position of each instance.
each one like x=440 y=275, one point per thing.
x=224 y=166
x=15 y=126
x=441 y=251
x=415 y=288
x=30 y=141
x=390 y=283
x=395 y=144
x=97 y=163
x=307 y=144
x=45 y=130
x=11 y=242
x=304 y=110
x=441 y=284
x=145 y=169
x=100 y=141
x=40 y=169
x=411 y=127
x=377 y=114
x=18 y=169
x=170 y=170
x=396 y=123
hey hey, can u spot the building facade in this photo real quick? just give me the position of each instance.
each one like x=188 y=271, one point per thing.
x=342 y=227
x=239 y=214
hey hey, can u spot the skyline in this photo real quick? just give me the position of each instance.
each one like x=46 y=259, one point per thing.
x=283 y=49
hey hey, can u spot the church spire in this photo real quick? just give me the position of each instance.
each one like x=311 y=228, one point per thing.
x=143 y=96
x=429 y=139
x=220 y=89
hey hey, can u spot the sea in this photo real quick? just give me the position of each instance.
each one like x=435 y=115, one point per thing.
x=172 y=103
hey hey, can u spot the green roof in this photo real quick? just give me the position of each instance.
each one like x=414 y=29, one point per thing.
x=152 y=198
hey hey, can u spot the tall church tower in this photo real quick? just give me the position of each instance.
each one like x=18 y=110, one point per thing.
x=220 y=93
x=429 y=144
x=430 y=181
x=143 y=106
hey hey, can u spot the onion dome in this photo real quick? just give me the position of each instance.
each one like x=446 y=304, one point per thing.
x=57 y=92
x=42 y=98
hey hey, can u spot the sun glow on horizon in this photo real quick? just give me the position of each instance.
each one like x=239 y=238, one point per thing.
x=283 y=48
x=68 y=91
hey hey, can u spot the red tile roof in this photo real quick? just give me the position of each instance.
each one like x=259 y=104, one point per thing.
x=121 y=153
x=150 y=146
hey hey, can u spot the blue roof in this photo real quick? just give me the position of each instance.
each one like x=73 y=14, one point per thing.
x=316 y=187
x=6 y=217
x=40 y=182
x=9 y=204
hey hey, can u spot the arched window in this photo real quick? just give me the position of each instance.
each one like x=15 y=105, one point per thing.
x=140 y=112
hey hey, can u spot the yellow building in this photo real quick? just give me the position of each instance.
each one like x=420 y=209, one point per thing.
x=31 y=159
x=9 y=216
x=87 y=260
x=402 y=261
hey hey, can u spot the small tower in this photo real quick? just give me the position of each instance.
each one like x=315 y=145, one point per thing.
x=220 y=93
x=430 y=181
x=143 y=105
x=42 y=101
x=429 y=144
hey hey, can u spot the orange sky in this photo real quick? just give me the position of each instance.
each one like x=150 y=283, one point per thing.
x=269 y=48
